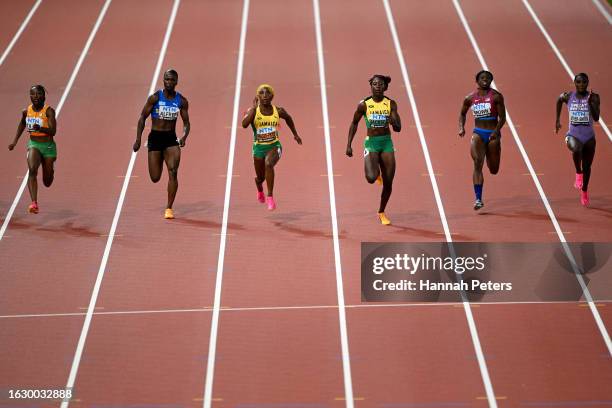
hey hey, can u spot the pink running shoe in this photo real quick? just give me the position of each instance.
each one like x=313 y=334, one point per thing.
x=584 y=198
x=271 y=203
x=578 y=182
x=33 y=208
x=261 y=197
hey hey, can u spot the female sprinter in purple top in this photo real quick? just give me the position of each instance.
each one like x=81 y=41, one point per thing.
x=490 y=116
x=165 y=106
x=583 y=107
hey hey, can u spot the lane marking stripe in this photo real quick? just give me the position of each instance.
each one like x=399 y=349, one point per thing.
x=109 y=242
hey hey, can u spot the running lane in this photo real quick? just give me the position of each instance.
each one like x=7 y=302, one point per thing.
x=583 y=36
x=557 y=351
x=10 y=21
x=284 y=258
x=50 y=260
x=155 y=264
x=405 y=356
x=52 y=25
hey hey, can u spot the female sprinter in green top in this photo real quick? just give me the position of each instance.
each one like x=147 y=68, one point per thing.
x=379 y=154
x=264 y=119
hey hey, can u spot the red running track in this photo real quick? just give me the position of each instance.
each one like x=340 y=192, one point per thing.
x=278 y=339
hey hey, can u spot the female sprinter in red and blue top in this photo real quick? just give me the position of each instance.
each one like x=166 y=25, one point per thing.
x=264 y=119
x=379 y=154
x=39 y=120
x=489 y=116
x=583 y=107
x=164 y=106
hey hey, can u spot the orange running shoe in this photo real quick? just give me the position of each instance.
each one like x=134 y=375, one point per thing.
x=169 y=214
x=379 y=179
x=33 y=208
x=383 y=219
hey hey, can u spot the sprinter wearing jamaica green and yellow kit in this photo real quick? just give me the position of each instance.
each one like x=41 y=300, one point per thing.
x=264 y=119
x=39 y=120
x=379 y=154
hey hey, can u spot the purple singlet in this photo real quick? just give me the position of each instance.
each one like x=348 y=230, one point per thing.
x=581 y=123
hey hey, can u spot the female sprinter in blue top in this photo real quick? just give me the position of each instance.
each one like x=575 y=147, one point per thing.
x=164 y=106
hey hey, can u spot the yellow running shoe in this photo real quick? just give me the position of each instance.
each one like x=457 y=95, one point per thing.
x=383 y=219
x=169 y=214
x=379 y=179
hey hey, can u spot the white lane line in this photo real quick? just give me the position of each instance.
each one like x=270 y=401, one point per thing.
x=214 y=325
x=482 y=364
x=603 y=10
x=109 y=242
x=552 y=44
x=344 y=345
x=600 y=303
x=587 y=294
x=19 y=31
x=67 y=89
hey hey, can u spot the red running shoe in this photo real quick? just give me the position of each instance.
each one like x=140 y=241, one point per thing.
x=584 y=198
x=578 y=182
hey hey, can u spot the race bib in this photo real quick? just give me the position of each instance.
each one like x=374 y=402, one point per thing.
x=168 y=112
x=481 y=110
x=579 y=114
x=266 y=134
x=377 y=120
x=31 y=121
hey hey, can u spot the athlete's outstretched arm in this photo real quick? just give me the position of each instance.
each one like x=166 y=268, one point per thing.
x=467 y=102
x=594 y=105
x=394 y=119
x=563 y=98
x=20 y=127
x=146 y=111
x=359 y=112
x=186 y=123
x=250 y=114
x=289 y=120
x=501 y=112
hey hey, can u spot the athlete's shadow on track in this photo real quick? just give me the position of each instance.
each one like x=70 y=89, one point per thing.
x=606 y=212
x=528 y=215
x=435 y=235
x=199 y=223
x=287 y=222
x=202 y=210
x=47 y=223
